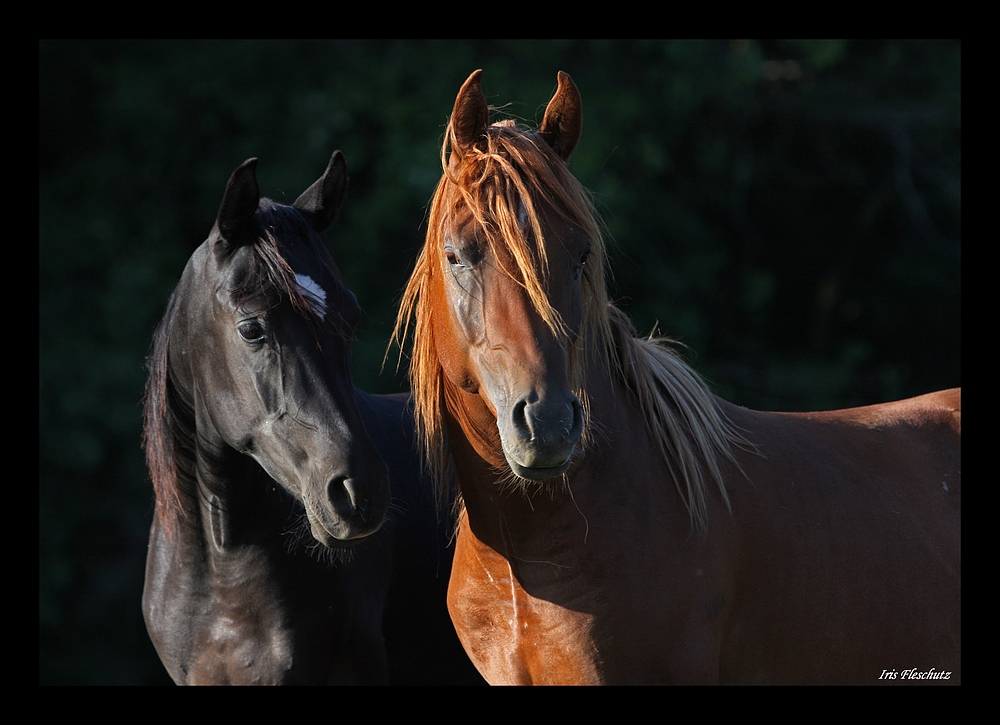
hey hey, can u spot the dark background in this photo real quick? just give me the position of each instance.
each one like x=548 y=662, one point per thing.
x=790 y=210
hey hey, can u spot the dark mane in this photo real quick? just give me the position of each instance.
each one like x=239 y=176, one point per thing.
x=168 y=430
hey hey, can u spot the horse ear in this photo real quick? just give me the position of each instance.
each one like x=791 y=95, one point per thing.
x=239 y=203
x=321 y=201
x=471 y=115
x=563 y=119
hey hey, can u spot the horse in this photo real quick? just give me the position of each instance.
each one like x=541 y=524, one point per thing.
x=294 y=540
x=618 y=523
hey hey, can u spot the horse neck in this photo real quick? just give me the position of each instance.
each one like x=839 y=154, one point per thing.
x=225 y=496
x=388 y=420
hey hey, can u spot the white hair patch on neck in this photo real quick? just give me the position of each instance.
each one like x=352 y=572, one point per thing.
x=314 y=294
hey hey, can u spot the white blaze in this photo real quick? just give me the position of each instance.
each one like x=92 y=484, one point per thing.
x=314 y=294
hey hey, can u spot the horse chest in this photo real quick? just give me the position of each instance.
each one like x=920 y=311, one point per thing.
x=512 y=636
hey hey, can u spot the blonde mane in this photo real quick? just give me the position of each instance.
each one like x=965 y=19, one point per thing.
x=500 y=182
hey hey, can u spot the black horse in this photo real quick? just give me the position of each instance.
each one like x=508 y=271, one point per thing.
x=268 y=559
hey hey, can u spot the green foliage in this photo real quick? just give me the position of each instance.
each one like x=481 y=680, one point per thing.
x=790 y=210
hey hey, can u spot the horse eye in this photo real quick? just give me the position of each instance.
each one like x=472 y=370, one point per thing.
x=452 y=257
x=578 y=272
x=251 y=331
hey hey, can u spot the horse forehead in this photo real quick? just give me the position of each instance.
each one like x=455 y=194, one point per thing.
x=312 y=278
x=313 y=292
x=461 y=221
x=462 y=228
x=463 y=225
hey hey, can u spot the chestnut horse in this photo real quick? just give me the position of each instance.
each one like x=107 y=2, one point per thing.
x=268 y=559
x=619 y=523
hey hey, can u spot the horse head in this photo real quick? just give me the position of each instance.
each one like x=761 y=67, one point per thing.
x=509 y=237
x=259 y=352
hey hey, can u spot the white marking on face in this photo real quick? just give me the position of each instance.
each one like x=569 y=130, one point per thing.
x=314 y=294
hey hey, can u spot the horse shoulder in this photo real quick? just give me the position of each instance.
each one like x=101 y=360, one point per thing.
x=164 y=598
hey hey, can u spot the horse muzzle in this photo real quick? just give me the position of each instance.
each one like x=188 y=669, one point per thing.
x=352 y=509
x=540 y=436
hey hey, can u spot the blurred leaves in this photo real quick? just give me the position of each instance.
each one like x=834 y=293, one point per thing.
x=790 y=210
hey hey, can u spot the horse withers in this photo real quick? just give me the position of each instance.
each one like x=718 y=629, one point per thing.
x=271 y=559
x=620 y=524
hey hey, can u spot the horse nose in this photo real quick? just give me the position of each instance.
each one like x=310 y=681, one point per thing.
x=351 y=500
x=548 y=424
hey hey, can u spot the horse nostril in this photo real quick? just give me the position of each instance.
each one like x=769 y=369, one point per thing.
x=342 y=492
x=520 y=419
x=540 y=422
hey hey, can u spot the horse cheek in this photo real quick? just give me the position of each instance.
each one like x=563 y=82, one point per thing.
x=266 y=376
x=455 y=350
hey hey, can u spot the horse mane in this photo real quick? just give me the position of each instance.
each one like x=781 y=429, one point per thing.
x=168 y=434
x=169 y=426
x=506 y=174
